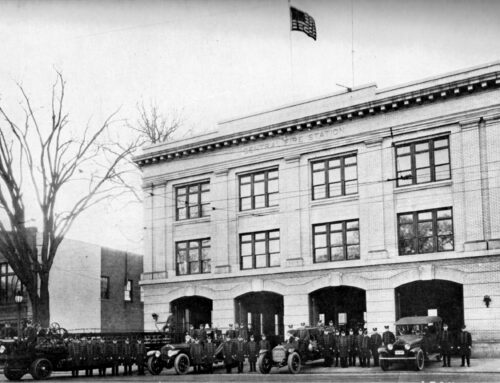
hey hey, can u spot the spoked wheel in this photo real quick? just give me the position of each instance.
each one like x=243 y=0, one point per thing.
x=294 y=363
x=154 y=365
x=419 y=361
x=182 y=364
x=264 y=363
x=41 y=369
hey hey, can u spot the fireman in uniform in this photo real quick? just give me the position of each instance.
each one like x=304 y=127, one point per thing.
x=336 y=351
x=75 y=354
x=376 y=342
x=352 y=348
x=139 y=355
x=446 y=345
x=464 y=346
x=241 y=353
x=358 y=346
x=101 y=356
x=196 y=352
x=343 y=348
x=209 y=354
x=327 y=341
x=229 y=351
x=365 y=349
x=127 y=357
x=114 y=353
x=264 y=343
x=253 y=353
x=388 y=336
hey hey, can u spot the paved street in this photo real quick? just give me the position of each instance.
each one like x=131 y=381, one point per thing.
x=483 y=370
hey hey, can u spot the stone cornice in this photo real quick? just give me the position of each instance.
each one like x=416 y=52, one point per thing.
x=432 y=94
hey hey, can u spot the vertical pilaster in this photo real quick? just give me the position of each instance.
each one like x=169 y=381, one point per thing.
x=148 y=229
x=492 y=132
x=158 y=226
x=380 y=308
x=296 y=309
x=220 y=217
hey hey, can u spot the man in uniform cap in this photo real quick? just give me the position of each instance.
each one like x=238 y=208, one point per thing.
x=243 y=331
x=365 y=349
x=327 y=343
x=446 y=345
x=253 y=353
x=376 y=342
x=209 y=353
x=465 y=346
x=139 y=355
x=343 y=349
x=196 y=352
x=231 y=332
x=229 y=352
x=388 y=336
x=358 y=346
x=352 y=348
x=264 y=343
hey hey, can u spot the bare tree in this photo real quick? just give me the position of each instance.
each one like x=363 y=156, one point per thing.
x=42 y=159
x=154 y=126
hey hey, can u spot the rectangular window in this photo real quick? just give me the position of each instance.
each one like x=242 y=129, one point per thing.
x=336 y=241
x=128 y=291
x=426 y=231
x=9 y=284
x=259 y=190
x=260 y=249
x=423 y=161
x=193 y=257
x=104 y=287
x=334 y=177
x=192 y=201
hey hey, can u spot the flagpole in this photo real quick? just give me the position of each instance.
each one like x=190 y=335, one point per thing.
x=291 y=51
x=352 y=42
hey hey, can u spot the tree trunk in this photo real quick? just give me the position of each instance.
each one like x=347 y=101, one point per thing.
x=44 y=301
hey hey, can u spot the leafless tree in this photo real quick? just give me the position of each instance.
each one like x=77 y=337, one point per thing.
x=154 y=126
x=43 y=159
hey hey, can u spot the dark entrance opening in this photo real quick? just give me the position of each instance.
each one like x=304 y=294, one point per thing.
x=193 y=310
x=416 y=298
x=264 y=310
x=344 y=305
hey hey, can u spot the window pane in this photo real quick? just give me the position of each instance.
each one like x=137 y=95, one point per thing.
x=260 y=261
x=334 y=163
x=246 y=238
x=205 y=186
x=245 y=190
x=320 y=228
x=336 y=239
x=205 y=253
x=258 y=177
x=260 y=201
x=247 y=263
x=334 y=175
x=205 y=210
x=335 y=189
x=423 y=146
x=350 y=173
x=318 y=178
x=206 y=267
x=274 y=260
x=350 y=160
x=260 y=247
x=181 y=213
x=445 y=243
x=181 y=256
x=274 y=234
x=272 y=174
x=320 y=240
x=205 y=197
x=193 y=189
x=403 y=150
x=319 y=192
x=258 y=188
x=193 y=255
x=321 y=255
x=337 y=253
x=246 y=203
x=445 y=227
x=194 y=211
x=406 y=231
x=274 y=246
x=425 y=215
x=425 y=229
x=182 y=190
x=404 y=163
x=260 y=236
x=439 y=143
x=351 y=187
x=335 y=226
x=272 y=186
x=352 y=237
x=245 y=180
x=407 y=246
x=353 y=252
x=352 y=225
x=194 y=267
x=246 y=249
x=444 y=213
x=441 y=157
x=423 y=175
x=406 y=218
x=425 y=245
x=442 y=172
x=404 y=178
x=182 y=267
x=273 y=199
x=318 y=165
x=422 y=160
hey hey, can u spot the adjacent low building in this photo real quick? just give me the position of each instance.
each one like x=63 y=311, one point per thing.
x=359 y=207
x=92 y=288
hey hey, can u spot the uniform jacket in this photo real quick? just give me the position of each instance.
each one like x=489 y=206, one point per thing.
x=209 y=351
x=365 y=346
x=244 y=333
x=446 y=341
x=115 y=352
x=253 y=351
x=127 y=353
x=359 y=342
x=265 y=345
x=85 y=349
x=352 y=342
x=229 y=351
x=139 y=352
x=343 y=346
x=464 y=342
x=231 y=333
x=95 y=347
x=376 y=341
x=241 y=350
x=75 y=351
x=196 y=351
x=388 y=337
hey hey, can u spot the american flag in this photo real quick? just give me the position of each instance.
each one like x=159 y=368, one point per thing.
x=301 y=21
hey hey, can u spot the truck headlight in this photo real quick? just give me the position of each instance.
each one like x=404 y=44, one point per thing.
x=2 y=349
x=407 y=347
x=157 y=354
x=390 y=346
x=171 y=353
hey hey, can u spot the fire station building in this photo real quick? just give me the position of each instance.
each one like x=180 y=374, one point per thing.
x=360 y=207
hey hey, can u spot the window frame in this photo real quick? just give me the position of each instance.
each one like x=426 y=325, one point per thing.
x=128 y=293
x=252 y=183
x=12 y=283
x=187 y=205
x=327 y=192
x=328 y=232
x=106 y=293
x=435 y=231
x=413 y=165
x=200 y=261
x=267 y=252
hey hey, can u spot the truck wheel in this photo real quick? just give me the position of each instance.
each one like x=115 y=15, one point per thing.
x=154 y=365
x=294 y=363
x=41 y=369
x=264 y=363
x=384 y=365
x=419 y=361
x=13 y=374
x=182 y=364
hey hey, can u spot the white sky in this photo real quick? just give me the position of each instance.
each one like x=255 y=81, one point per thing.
x=215 y=60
